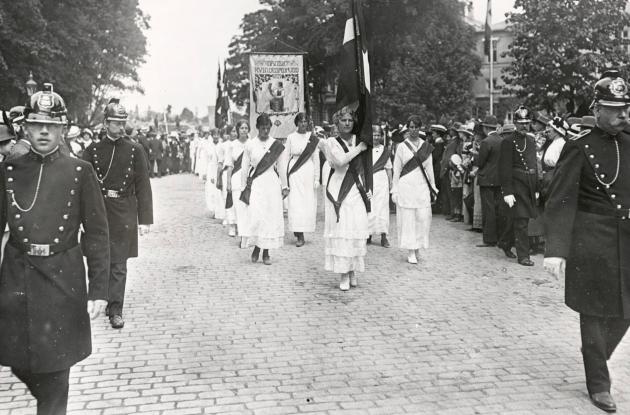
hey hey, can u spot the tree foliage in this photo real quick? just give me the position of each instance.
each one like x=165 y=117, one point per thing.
x=88 y=49
x=559 y=48
x=422 y=60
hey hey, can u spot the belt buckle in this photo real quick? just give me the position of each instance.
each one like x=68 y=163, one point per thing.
x=113 y=194
x=39 y=250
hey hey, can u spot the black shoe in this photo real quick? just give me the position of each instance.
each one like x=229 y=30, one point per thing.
x=384 y=242
x=300 y=242
x=117 y=321
x=485 y=245
x=255 y=254
x=604 y=401
x=508 y=253
x=266 y=260
x=457 y=219
x=369 y=240
x=526 y=262
x=448 y=217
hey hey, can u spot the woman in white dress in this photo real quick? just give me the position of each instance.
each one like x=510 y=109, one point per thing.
x=302 y=175
x=230 y=213
x=265 y=213
x=234 y=163
x=346 y=228
x=378 y=218
x=209 y=174
x=412 y=189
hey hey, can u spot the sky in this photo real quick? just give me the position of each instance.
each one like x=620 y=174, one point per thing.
x=188 y=37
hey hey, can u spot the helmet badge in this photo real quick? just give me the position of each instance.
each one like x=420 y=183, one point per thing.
x=618 y=87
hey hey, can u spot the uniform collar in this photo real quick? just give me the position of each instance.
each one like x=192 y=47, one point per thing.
x=43 y=158
x=113 y=141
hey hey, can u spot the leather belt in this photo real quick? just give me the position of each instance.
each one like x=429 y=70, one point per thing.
x=115 y=194
x=623 y=214
x=523 y=171
x=43 y=250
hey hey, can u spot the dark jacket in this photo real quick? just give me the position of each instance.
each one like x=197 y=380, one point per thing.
x=127 y=174
x=44 y=325
x=488 y=160
x=588 y=224
x=155 y=149
x=455 y=146
x=518 y=173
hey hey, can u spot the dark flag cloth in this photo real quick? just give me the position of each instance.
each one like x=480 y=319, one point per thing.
x=487 y=45
x=355 y=85
x=218 y=117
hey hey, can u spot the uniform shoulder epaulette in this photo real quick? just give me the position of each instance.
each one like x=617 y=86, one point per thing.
x=580 y=135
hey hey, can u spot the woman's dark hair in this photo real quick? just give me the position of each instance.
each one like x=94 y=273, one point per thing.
x=240 y=124
x=299 y=118
x=227 y=129
x=263 y=119
x=414 y=119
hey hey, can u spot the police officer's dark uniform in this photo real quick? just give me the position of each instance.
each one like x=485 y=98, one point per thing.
x=44 y=323
x=518 y=174
x=587 y=219
x=121 y=168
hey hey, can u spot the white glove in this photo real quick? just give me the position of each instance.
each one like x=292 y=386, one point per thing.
x=96 y=308
x=555 y=266
x=144 y=229
x=510 y=200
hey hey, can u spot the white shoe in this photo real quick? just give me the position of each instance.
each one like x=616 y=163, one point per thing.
x=232 y=231
x=411 y=258
x=354 y=281
x=344 y=282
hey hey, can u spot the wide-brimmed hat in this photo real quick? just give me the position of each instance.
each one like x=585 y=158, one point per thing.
x=438 y=127
x=490 y=121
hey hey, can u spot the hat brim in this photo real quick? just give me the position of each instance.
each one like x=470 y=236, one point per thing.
x=523 y=121
x=489 y=125
x=115 y=119
x=54 y=122
x=617 y=104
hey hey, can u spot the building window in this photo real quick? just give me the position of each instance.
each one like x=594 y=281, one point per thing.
x=494 y=84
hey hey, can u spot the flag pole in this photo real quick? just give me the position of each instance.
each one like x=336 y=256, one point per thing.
x=490 y=57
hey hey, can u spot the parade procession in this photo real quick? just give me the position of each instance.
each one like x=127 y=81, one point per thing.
x=390 y=207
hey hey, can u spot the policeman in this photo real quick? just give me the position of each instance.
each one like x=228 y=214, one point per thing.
x=122 y=171
x=587 y=219
x=45 y=305
x=518 y=175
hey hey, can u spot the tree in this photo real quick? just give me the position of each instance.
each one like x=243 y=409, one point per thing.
x=412 y=41
x=187 y=115
x=559 y=48
x=88 y=49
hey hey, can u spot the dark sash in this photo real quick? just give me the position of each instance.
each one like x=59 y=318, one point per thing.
x=382 y=161
x=306 y=154
x=416 y=161
x=229 y=202
x=265 y=163
x=220 y=178
x=351 y=178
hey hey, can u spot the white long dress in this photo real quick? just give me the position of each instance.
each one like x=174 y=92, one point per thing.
x=210 y=171
x=265 y=216
x=378 y=218
x=413 y=206
x=202 y=161
x=220 y=209
x=239 y=208
x=230 y=214
x=302 y=200
x=344 y=241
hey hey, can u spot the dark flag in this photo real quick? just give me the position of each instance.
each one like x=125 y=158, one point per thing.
x=219 y=117
x=487 y=39
x=355 y=86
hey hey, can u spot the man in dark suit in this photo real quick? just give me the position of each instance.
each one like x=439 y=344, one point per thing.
x=121 y=169
x=518 y=174
x=156 y=154
x=587 y=220
x=493 y=214
x=45 y=303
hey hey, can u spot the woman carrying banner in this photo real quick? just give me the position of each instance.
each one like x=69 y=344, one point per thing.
x=378 y=218
x=234 y=164
x=413 y=189
x=346 y=221
x=302 y=175
x=262 y=190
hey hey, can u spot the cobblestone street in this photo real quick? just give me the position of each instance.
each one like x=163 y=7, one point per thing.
x=466 y=331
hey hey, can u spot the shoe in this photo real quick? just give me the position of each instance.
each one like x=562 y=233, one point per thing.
x=526 y=262
x=369 y=240
x=449 y=217
x=457 y=219
x=117 y=321
x=604 y=401
x=344 y=282
x=354 y=281
x=266 y=260
x=485 y=245
x=411 y=258
x=232 y=232
x=300 y=241
x=385 y=242
x=255 y=254
x=508 y=253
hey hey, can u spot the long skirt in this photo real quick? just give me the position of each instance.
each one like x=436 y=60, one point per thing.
x=378 y=218
x=413 y=226
x=345 y=242
x=242 y=218
x=230 y=214
x=302 y=200
x=477 y=210
x=265 y=216
x=213 y=198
